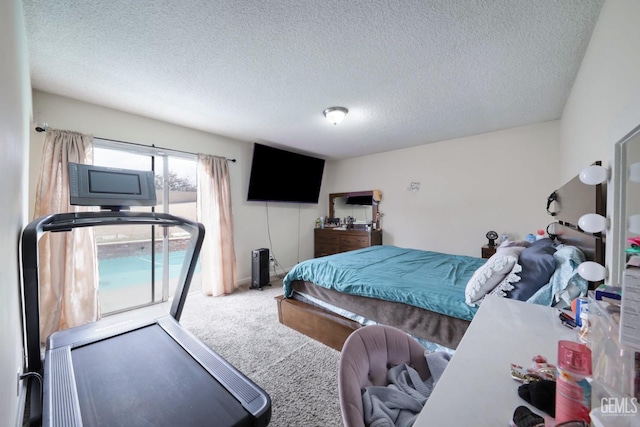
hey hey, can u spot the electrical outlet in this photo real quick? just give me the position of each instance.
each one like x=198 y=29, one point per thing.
x=271 y=258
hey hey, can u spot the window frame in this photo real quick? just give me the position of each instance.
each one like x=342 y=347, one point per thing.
x=154 y=153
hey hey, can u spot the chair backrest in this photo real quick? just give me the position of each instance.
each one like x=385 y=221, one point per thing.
x=367 y=355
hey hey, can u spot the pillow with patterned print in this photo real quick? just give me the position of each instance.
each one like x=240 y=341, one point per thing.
x=499 y=272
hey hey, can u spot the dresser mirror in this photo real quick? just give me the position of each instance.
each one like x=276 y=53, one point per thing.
x=626 y=200
x=358 y=205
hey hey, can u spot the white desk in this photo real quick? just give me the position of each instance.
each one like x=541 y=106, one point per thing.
x=476 y=388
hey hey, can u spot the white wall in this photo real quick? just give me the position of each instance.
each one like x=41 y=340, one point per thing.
x=289 y=241
x=495 y=181
x=604 y=105
x=15 y=108
x=606 y=85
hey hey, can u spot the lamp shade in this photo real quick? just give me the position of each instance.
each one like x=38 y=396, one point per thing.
x=335 y=114
x=592 y=271
x=594 y=174
x=593 y=223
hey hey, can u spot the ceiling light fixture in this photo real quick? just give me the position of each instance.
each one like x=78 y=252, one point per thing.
x=335 y=114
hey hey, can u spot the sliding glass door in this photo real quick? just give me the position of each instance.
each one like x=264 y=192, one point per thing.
x=140 y=264
x=179 y=191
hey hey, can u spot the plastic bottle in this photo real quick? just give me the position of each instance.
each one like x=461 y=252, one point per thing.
x=573 y=383
x=583 y=315
x=578 y=308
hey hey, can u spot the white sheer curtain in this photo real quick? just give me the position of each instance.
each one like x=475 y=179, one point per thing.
x=67 y=261
x=217 y=256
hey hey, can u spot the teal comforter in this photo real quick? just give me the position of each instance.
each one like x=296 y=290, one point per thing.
x=430 y=280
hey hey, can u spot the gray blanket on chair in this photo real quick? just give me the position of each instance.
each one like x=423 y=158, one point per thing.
x=399 y=403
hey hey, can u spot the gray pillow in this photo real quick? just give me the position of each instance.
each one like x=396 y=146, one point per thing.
x=538 y=265
x=509 y=243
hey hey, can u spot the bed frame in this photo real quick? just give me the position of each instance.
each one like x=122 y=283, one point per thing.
x=570 y=201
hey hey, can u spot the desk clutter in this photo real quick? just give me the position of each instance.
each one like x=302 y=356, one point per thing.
x=348 y=223
x=597 y=380
x=538 y=389
x=561 y=392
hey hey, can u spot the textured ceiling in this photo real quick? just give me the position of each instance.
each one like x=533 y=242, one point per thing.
x=409 y=71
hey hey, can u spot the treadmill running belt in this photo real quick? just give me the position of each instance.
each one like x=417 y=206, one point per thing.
x=144 y=378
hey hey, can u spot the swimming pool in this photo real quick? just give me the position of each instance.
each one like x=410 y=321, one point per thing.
x=117 y=273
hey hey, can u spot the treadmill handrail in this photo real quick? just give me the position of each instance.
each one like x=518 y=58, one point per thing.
x=66 y=222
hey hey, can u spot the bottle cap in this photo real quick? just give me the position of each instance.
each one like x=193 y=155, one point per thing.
x=575 y=357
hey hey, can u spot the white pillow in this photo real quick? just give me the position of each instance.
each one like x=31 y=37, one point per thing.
x=496 y=274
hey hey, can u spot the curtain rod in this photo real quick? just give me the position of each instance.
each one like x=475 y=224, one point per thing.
x=42 y=129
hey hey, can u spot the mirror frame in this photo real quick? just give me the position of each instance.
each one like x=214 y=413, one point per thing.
x=619 y=223
x=333 y=196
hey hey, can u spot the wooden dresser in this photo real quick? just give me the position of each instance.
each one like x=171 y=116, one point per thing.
x=328 y=241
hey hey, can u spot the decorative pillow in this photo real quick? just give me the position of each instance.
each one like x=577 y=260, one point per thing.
x=498 y=271
x=538 y=265
x=510 y=243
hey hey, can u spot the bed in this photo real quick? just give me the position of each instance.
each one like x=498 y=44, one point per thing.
x=426 y=294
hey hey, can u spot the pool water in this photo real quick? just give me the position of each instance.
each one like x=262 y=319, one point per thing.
x=116 y=273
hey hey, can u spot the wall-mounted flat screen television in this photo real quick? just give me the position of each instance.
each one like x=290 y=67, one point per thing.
x=110 y=188
x=283 y=176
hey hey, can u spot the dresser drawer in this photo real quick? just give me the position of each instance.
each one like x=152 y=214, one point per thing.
x=349 y=243
x=323 y=250
x=329 y=241
x=326 y=238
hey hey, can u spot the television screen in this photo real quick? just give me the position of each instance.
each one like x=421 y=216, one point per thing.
x=114 y=182
x=110 y=188
x=283 y=176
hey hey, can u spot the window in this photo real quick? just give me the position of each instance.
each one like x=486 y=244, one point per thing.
x=140 y=264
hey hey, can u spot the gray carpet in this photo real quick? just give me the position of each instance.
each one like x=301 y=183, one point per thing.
x=298 y=373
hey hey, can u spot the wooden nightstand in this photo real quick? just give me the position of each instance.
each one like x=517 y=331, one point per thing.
x=487 y=251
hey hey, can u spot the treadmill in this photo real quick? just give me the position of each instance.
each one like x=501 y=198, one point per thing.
x=140 y=368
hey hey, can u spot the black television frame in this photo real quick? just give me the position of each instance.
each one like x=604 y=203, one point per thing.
x=278 y=175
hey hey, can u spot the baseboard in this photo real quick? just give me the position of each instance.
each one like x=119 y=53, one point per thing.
x=246 y=281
